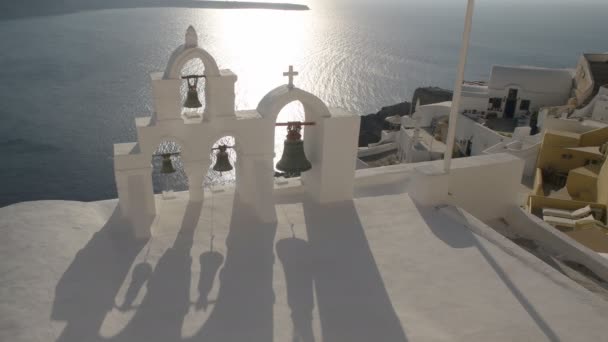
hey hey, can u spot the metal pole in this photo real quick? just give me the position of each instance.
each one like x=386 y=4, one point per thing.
x=458 y=87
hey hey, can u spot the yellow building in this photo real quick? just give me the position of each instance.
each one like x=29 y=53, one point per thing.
x=571 y=185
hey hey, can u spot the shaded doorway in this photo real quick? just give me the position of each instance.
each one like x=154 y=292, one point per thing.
x=511 y=104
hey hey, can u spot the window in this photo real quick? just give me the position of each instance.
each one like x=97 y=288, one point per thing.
x=495 y=103
x=524 y=105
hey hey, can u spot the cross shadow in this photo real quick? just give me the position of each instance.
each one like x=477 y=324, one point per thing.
x=35 y=8
x=353 y=302
x=86 y=291
x=296 y=258
x=243 y=310
x=167 y=301
x=457 y=236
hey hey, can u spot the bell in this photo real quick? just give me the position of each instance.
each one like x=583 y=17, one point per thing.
x=222 y=164
x=192 y=96
x=293 y=160
x=167 y=166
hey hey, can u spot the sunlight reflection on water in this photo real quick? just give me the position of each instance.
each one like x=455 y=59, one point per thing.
x=73 y=82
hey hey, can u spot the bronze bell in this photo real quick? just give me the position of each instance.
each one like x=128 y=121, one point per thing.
x=293 y=160
x=222 y=164
x=192 y=100
x=167 y=166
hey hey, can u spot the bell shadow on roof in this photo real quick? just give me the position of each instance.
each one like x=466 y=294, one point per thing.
x=296 y=257
x=86 y=291
x=243 y=310
x=353 y=302
x=160 y=315
x=140 y=274
x=210 y=261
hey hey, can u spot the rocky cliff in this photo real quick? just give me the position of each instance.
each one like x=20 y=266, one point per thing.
x=373 y=124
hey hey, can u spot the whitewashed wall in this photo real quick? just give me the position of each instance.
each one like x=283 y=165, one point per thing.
x=523 y=146
x=483 y=137
x=427 y=113
x=473 y=101
x=485 y=186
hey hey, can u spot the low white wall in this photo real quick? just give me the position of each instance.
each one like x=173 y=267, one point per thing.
x=528 y=153
x=413 y=151
x=427 y=113
x=531 y=227
x=370 y=151
x=386 y=137
x=473 y=101
x=485 y=186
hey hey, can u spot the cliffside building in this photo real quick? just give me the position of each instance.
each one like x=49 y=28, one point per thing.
x=513 y=91
x=572 y=174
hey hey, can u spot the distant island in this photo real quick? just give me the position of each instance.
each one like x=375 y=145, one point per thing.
x=38 y=8
x=248 y=4
x=245 y=4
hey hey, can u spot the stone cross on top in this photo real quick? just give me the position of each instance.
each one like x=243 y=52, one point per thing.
x=290 y=74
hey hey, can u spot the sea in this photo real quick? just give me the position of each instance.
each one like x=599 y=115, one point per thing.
x=75 y=74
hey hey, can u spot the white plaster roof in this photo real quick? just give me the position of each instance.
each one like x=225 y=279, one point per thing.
x=374 y=269
x=542 y=80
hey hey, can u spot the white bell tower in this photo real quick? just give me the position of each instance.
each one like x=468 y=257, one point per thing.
x=331 y=145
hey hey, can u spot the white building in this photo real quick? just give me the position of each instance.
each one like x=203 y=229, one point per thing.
x=515 y=90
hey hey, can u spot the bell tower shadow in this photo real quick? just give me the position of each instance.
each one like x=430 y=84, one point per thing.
x=296 y=257
x=353 y=302
x=167 y=301
x=87 y=289
x=243 y=310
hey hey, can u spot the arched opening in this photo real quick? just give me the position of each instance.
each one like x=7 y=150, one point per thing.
x=293 y=111
x=163 y=179
x=218 y=178
x=193 y=67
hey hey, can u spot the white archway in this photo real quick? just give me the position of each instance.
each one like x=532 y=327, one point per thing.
x=187 y=51
x=272 y=103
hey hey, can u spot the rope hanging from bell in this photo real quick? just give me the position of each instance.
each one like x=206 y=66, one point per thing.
x=294 y=161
